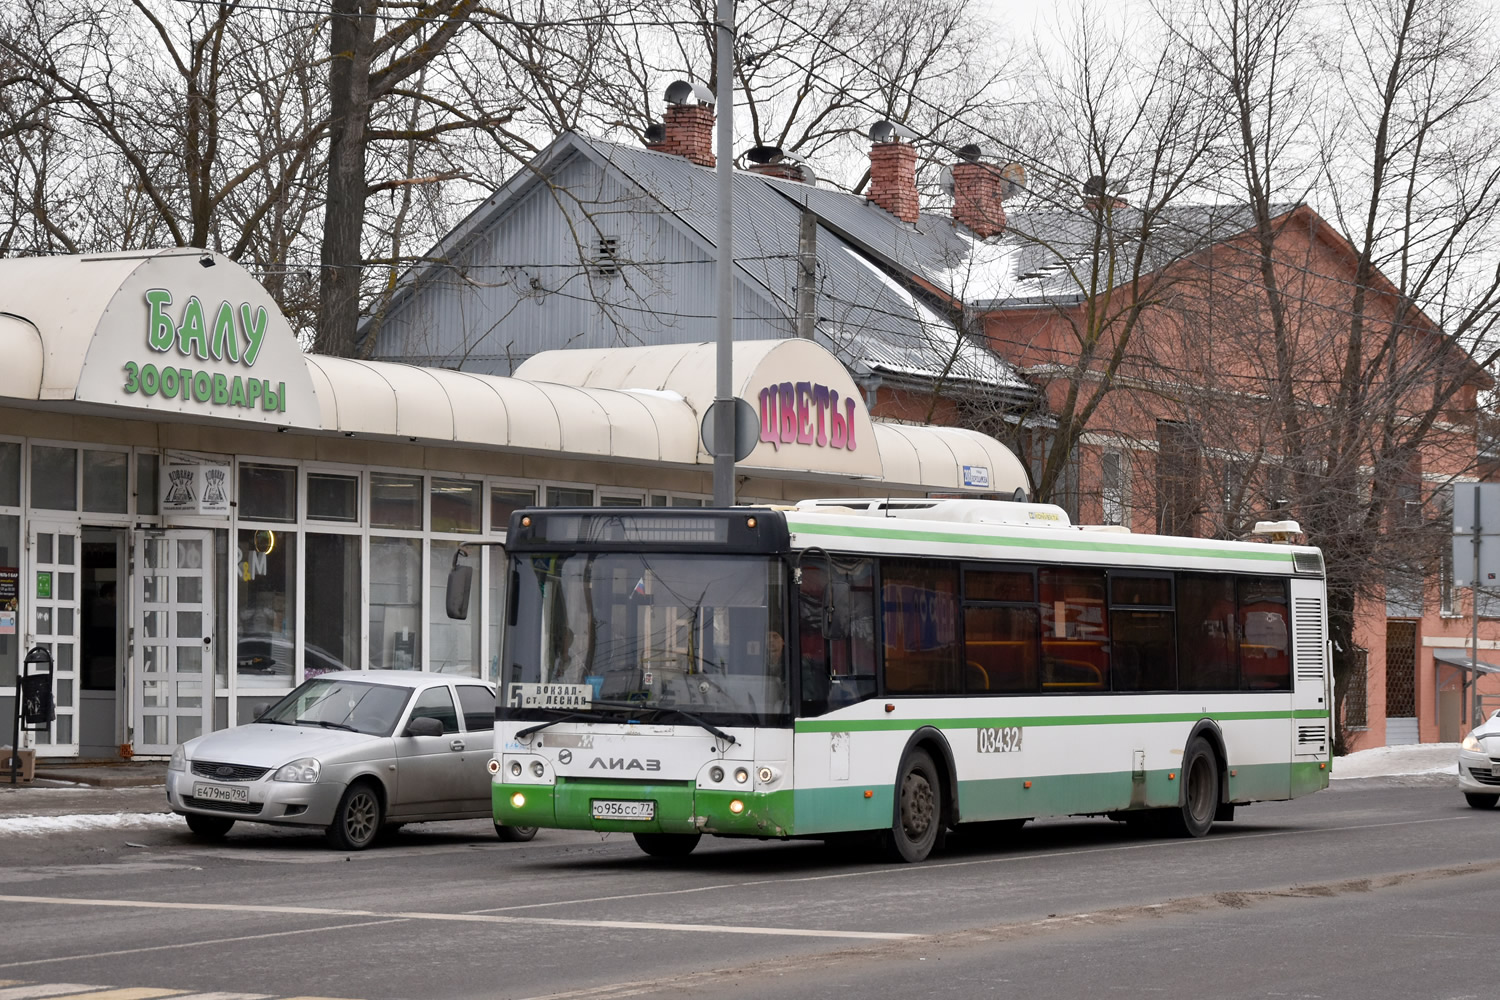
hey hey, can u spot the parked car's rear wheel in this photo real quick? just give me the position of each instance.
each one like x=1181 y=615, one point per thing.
x=668 y=845
x=357 y=819
x=208 y=827
x=514 y=833
x=1481 y=800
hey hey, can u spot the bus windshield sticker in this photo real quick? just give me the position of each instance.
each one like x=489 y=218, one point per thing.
x=1005 y=739
x=569 y=697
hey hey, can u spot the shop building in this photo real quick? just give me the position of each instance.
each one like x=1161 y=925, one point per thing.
x=195 y=515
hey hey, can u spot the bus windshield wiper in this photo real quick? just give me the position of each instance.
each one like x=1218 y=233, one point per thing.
x=568 y=716
x=689 y=716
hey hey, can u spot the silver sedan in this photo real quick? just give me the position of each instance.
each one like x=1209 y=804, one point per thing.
x=1479 y=764
x=352 y=752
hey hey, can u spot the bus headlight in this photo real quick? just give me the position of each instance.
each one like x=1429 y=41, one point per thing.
x=741 y=775
x=537 y=769
x=515 y=769
x=518 y=800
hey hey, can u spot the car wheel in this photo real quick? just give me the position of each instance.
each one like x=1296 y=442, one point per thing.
x=918 y=824
x=668 y=845
x=208 y=827
x=1481 y=800
x=515 y=834
x=1200 y=792
x=357 y=819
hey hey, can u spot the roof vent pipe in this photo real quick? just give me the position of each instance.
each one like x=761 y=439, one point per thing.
x=689 y=127
x=893 y=170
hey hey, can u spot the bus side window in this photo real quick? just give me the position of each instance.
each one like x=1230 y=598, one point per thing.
x=840 y=671
x=1075 y=638
x=1265 y=653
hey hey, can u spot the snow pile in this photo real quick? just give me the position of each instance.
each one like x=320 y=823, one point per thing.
x=1385 y=762
x=35 y=826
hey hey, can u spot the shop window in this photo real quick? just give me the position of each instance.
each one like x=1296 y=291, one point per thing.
x=10 y=562
x=395 y=501
x=395 y=603
x=456 y=505
x=333 y=497
x=454 y=642
x=1075 y=640
x=1205 y=632
x=54 y=478
x=606 y=500
x=505 y=501
x=333 y=606
x=1265 y=639
x=919 y=602
x=145 y=484
x=10 y=474
x=267 y=602
x=687 y=502
x=268 y=492
x=567 y=496
x=106 y=482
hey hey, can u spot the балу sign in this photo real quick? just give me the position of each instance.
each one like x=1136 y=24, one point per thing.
x=235 y=337
x=193 y=333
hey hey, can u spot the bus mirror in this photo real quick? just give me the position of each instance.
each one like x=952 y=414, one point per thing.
x=460 y=581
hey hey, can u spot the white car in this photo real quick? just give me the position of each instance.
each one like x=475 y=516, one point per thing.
x=1479 y=764
x=351 y=752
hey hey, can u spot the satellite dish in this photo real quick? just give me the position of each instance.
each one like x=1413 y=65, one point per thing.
x=1014 y=176
x=704 y=95
x=969 y=153
x=945 y=179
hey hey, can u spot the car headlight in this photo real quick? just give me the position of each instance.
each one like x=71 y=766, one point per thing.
x=178 y=761
x=1471 y=742
x=305 y=771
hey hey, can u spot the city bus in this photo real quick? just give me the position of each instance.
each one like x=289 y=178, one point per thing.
x=893 y=670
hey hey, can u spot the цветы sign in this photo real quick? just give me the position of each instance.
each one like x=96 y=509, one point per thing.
x=229 y=335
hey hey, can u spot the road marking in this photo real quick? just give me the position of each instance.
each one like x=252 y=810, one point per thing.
x=897 y=870
x=225 y=996
x=480 y=918
x=133 y=993
x=37 y=990
x=191 y=944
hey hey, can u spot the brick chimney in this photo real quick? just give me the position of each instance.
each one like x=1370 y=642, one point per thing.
x=978 y=189
x=688 y=132
x=893 y=178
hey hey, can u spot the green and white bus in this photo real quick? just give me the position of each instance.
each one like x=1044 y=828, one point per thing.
x=901 y=667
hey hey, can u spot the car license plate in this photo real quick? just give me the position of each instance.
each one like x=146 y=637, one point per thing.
x=624 y=809
x=221 y=793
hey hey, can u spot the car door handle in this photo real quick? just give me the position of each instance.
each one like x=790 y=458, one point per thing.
x=456 y=745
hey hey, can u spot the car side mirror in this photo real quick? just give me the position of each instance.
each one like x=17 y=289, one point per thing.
x=424 y=725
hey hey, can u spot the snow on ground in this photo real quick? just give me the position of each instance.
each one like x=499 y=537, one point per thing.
x=1384 y=762
x=35 y=826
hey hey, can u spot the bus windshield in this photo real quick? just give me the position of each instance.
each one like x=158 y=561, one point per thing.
x=703 y=634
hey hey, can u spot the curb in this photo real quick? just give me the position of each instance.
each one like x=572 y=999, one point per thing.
x=102 y=778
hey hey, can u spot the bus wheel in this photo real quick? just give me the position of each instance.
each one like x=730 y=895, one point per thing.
x=515 y=834
x=1200 y=792
x=919 y=810
x=668 y=845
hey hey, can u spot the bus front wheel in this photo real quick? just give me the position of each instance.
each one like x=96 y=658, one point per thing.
x=668 y=845
x=1200 y=792
x=918 y=822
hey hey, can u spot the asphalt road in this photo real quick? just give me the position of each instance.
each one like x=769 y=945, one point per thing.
x=1373 y=889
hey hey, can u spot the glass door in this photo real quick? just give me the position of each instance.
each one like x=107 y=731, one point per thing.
x=173 y=615
x=53 y=591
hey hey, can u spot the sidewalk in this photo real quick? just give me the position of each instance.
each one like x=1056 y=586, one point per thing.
x=95 y=774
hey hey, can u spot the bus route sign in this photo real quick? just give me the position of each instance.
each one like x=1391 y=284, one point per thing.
x=567 y=697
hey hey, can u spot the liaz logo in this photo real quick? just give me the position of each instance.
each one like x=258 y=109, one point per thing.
x=622 y=764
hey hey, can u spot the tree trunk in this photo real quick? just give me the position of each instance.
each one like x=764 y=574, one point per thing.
x=352 y=38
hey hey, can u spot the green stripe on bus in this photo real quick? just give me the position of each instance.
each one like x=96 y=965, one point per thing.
x=1090 y=544
x=896 y=725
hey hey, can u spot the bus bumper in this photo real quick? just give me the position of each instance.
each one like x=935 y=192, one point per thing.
x=677 y=807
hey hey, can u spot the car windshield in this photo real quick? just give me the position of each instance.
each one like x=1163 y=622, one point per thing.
x=701 y=635
x=341 y=703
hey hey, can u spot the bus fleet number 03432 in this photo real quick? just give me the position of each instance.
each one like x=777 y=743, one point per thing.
x=999 y=739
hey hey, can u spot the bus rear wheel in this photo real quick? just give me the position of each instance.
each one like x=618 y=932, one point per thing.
x=668 y=845
x=1200 y=792
x=918 y=823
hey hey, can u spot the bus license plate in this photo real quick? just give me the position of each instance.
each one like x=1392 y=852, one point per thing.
x=221 y=793
x=624 y=809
